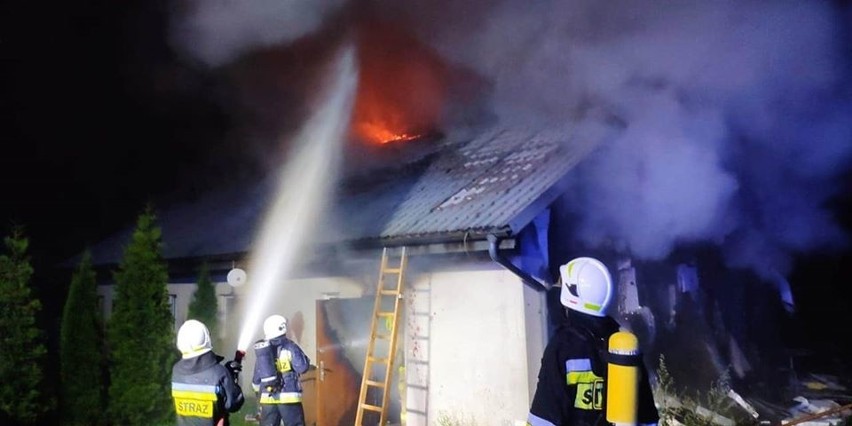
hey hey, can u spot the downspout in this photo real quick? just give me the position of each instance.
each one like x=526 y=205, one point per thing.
x=494 y=252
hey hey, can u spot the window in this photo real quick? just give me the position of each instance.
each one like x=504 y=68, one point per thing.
x=226 y=307
x=173 y=305
x=106 y=304
x=102 y=312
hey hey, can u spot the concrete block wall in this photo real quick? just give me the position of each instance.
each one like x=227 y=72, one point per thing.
x=474 y=340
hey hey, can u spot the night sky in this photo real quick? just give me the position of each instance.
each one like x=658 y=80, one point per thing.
x=97 y=120
x=100 y=116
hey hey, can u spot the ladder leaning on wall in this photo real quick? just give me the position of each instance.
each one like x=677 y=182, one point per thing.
x=382 y=315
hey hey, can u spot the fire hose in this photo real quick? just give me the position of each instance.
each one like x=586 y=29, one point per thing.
x=236 y=365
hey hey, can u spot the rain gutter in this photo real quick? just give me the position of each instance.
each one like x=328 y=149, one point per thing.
x=494 y=252
x=470 y=240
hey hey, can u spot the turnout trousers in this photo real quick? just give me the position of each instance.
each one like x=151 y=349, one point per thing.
x=272 y=414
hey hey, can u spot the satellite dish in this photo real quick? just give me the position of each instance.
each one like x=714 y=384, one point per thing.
x=236 y=277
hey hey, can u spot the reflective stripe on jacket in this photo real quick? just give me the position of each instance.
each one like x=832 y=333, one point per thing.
x=195 y=400
x=280 y=397
x=291 y=362
x=571 y=386
x=204 y=391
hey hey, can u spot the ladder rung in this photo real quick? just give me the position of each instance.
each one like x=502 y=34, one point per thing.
x=371 y=407
x=389 y=336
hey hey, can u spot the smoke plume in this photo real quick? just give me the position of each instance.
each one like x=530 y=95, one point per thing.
x=737 y=114
x=738 y=120
x=216 y=32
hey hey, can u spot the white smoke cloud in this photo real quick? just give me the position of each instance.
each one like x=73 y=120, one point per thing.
x=737 y=126
x=738 y=113
x=216 y=32
x=657 y=184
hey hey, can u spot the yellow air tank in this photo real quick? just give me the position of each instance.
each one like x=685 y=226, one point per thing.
x=622 y=384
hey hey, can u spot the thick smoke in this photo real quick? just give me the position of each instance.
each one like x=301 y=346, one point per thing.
x=738 y=119
x=216 y=32
x=737 y=114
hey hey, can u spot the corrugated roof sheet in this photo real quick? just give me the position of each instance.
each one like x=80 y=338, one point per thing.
x=485 y=183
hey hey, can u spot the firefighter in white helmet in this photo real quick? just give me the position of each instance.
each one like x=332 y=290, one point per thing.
x=279 y=363
x=204 y=390
x=571 y=381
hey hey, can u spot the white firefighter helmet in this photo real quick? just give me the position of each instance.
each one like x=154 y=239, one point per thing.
x=274 y=326
x=193 y=339
x=586 y=286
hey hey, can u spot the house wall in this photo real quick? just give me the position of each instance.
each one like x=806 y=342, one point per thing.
x=297 y=302
x=474 y=340
x=295 y=299
x=180 y=295
x=298 y=306
x=105 y=299
x=535 y=314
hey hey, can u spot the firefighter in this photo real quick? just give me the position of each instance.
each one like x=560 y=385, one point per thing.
x=276 y=376
x=571 y=381
x=204 y=390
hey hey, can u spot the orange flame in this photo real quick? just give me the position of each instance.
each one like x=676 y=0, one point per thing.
x=380 y=133
x=401 y=86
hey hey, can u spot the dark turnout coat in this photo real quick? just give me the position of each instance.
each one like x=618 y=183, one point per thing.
x=572 y=381
x=204 y=391
x=290 y=362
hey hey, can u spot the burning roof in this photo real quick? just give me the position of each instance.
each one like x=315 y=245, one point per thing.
x=498 y=179
x=402 y=85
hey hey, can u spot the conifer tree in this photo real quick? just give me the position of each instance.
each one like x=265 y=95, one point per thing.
x=22 y=349
x=141 y=333
x=203 y=306
x=81 y=351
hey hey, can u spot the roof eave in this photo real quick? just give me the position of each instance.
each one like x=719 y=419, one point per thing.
x=472 y=240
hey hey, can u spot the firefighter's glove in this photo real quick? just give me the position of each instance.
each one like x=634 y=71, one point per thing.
x=234 y=367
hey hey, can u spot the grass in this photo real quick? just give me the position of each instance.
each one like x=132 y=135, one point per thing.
x=684 y=407
x=238 y=418
x=445 y=419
